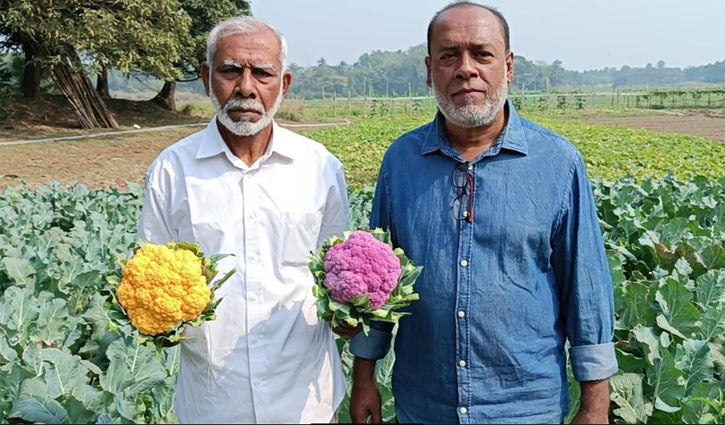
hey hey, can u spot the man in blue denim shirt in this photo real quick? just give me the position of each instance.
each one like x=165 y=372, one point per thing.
x=500 y=214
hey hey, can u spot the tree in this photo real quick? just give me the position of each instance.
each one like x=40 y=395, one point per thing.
x=71 y=37
x=204 y=14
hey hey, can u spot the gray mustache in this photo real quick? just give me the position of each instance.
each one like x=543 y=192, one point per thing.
x=246 y=104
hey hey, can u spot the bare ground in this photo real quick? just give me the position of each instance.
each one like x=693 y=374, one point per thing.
x=709 y=124
x=102 y=162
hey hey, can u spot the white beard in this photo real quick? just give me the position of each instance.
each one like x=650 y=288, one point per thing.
x=244 y=127
x=470 y=115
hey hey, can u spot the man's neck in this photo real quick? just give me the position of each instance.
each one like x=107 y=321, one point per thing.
x=471 y=142
x=247 y=148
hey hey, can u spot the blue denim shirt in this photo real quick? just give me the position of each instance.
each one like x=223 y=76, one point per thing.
x=499 y=297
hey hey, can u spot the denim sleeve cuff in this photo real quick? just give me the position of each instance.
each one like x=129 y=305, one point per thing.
x=593 y=362
x=373 y=346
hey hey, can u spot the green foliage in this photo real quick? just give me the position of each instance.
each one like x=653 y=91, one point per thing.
x=614 y=152
x=146 y=36
x=611 y=153
x=664 y=241
x=60 y=361
x=361 y=147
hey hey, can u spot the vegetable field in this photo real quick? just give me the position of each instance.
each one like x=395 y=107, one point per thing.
x=63 y=361
x=611 y=153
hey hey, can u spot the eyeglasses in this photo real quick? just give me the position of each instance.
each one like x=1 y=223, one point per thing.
x=466 y=185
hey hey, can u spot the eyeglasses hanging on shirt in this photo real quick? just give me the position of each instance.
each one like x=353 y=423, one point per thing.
x=465 y=184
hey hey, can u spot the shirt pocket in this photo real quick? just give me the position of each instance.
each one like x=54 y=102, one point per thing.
x=300 y=231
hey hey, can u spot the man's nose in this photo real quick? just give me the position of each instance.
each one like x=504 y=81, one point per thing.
x=245 y=84
x=467 y=67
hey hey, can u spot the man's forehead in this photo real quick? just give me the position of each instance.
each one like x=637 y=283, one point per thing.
x=257 y=48
x=257 y=40
x=469 y=25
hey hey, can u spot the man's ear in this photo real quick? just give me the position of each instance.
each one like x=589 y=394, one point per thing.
x=510 y=67
x=427 y=70
x=286 y=82
x=205 y=73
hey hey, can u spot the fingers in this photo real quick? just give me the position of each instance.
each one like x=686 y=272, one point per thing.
x=377 y=415
x=347 y=331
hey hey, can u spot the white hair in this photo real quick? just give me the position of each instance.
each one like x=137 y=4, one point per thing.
x=243 y=25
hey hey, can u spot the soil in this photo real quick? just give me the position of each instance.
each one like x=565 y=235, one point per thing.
x=106 y=161
x=709 y=124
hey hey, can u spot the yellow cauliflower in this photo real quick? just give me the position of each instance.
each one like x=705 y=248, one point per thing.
x=163 y=286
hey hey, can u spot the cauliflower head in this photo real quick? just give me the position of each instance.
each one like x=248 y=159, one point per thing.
x=162 y=286
x=362 y=265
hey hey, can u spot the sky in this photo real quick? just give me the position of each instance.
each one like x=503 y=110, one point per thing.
x=583 y=34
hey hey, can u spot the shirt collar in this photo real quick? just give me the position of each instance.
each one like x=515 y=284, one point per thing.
x=213 y=144
x=513 y=139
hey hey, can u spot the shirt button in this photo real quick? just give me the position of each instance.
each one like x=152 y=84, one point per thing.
x=461 y=314
x=463 y=410
x=462 y=363
x=464 y=263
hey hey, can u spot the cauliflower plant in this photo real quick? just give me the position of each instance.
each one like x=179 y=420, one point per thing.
x=162 y=289
x=360 y=278
x=362 y=266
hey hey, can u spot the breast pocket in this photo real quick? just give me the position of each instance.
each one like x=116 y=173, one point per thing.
x=299 y=237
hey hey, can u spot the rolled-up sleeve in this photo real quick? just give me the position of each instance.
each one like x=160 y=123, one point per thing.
x=585 y=284
x=375 y=345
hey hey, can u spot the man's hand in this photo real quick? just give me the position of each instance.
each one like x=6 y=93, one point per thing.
x=365 y=400
x=347 y=331
x=595 y=403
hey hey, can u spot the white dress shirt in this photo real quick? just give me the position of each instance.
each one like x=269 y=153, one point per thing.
x=266 y=358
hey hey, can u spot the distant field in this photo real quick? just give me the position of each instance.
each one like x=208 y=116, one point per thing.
x=610 y=152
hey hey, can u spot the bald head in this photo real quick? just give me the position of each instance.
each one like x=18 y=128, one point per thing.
x=478 y=8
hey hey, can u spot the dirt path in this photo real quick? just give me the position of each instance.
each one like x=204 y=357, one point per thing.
x=99 y=161
x=107 y=134
x=709 y=127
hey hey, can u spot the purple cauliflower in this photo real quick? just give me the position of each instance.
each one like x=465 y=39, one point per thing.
x=359 y=266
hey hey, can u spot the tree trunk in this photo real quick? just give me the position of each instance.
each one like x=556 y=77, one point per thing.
x=31 y=73
x=165 y=98
x=102 y=84
x=70 y=78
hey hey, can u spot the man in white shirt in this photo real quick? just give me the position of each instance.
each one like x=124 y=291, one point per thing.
x=247 y=187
